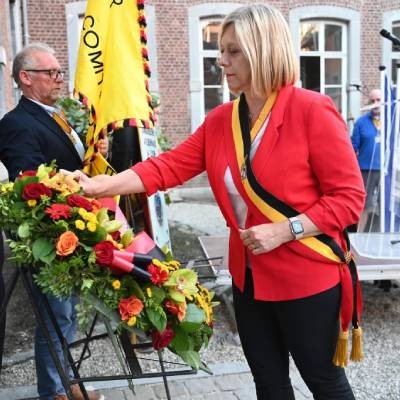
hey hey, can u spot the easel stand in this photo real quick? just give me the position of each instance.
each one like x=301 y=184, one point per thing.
x=25 y=273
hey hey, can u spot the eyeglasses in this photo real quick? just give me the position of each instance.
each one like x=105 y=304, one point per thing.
x=53 y=73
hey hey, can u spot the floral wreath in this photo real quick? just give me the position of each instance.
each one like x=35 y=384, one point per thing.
x=76 y=245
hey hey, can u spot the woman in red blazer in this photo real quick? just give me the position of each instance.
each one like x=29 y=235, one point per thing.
x=284 y=174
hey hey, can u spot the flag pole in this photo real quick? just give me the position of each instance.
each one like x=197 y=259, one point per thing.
x=396 y=131
x=382 y=69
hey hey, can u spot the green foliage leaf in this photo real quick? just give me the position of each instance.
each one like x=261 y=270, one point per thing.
x=193 y=319
x=91 y=238
x=157 y=317
x=41 y=249
x=191 y=358
x=135 y=288
x=102 y=308
x=87 y=284
x=158 y=295
x=181 y=341
x=24 y=230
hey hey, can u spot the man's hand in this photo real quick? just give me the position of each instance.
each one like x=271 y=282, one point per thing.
x=102 y=146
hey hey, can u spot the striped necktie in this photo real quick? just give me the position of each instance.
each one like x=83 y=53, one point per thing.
x=61 y=120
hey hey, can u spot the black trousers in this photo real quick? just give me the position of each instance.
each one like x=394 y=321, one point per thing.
x=2 y=296
x=306 y=328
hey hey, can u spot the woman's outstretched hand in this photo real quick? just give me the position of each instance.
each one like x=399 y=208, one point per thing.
x=124 y=182
x=90 y=186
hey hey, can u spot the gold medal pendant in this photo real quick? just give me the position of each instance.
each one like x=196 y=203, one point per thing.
x=243 y=169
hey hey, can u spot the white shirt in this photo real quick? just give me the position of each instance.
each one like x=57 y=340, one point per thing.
x=239 y=206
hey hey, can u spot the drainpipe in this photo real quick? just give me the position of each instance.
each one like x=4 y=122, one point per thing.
x=25 y=22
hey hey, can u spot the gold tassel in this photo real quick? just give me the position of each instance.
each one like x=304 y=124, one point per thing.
x=340 y=358
x=356 y=346
x=133 y=338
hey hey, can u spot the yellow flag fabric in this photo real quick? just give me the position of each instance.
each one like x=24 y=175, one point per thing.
x=112 y=72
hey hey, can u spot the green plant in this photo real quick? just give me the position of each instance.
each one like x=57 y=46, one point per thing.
x=76 y=114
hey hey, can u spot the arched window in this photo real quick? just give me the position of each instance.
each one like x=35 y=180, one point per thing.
x=214 y=90
x=206 y=87
x=323 y=59
x=334 y=33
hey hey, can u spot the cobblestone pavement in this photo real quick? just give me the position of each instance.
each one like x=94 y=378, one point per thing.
x=230 y=381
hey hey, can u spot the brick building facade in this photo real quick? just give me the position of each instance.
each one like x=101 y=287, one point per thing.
x=182 y=49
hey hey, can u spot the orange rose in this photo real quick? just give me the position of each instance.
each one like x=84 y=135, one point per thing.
x=130 y=307
x=66 y=243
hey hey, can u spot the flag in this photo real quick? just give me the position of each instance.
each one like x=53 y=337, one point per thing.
x=112 y=72
x=391 y=162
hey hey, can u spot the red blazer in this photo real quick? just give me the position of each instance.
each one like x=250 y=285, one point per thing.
x=305 y=159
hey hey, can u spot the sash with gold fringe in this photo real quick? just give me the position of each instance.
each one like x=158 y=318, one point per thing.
x=277 y=211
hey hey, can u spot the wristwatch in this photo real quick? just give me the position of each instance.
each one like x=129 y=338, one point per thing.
x=296 y=227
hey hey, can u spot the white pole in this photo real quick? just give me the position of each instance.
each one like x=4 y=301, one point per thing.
x=396 y=132
x=382 y=152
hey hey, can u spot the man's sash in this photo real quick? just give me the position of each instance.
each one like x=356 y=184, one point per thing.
x=277 y=211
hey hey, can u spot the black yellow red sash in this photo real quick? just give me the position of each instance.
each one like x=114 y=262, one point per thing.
x=277 y=211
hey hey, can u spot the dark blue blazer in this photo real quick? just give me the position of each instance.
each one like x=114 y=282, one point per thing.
x=29 y=136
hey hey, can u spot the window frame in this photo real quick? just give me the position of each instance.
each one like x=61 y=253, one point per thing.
x=324 y=55
x=210 y=53
x=197 y=15
x=352 y=19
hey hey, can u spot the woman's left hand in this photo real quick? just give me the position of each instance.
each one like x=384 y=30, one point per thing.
x=266 y=237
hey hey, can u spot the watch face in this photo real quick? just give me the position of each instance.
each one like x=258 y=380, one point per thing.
x=297 y=227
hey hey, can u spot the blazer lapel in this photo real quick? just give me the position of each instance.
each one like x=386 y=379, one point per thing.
x=45 y=119
x=270 y=138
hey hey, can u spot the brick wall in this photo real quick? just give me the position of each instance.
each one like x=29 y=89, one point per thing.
x=47 y=23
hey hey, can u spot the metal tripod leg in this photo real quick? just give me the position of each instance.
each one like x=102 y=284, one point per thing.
x=63 y=376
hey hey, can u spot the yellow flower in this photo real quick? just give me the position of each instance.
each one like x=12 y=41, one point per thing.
x=149 y=292
x=91 y=226
x=131 y=321
x=31 y=203
x=160 y=264
x=116 y=284
x=80 y=224
x=203 y=300
x=82 y=212
x=90 y=217
x=173 y=264
x=7 y=187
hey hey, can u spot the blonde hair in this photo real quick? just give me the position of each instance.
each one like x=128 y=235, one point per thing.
x=264 y=37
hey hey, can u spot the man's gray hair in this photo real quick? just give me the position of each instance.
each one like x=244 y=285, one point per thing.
x=24 y=59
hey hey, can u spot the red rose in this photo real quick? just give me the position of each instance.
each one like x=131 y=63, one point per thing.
x=33 y=191
x=57 y=211
x=76 y=200
x=158 y=276
x=104 y=253
x=27 y=173
x=163 y=339
x=116 y=236
x=130 y=307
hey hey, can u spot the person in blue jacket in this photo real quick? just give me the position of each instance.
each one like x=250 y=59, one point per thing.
x=366 y=142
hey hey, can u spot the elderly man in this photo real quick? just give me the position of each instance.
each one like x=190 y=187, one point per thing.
x=35 y=132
